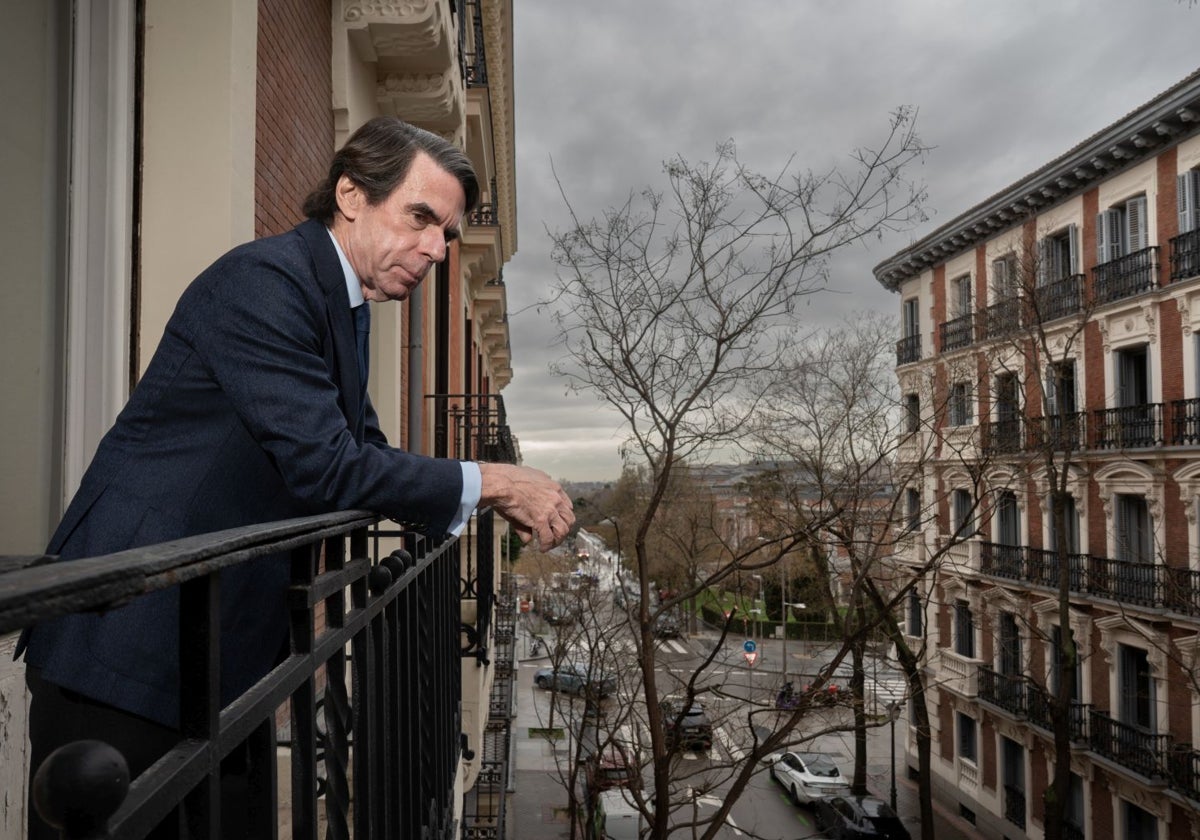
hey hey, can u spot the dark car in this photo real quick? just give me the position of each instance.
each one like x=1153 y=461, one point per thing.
x=689 y=729
x=858 y=818
x=666 y=626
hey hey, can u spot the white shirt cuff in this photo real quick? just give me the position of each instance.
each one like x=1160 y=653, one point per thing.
x=472 y=489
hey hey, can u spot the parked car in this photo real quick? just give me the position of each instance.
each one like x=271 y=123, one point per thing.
x=858 y=818
x=573 y=678
x=612 y=768
x=808 y=776
x=689 y=728
x=666 y=626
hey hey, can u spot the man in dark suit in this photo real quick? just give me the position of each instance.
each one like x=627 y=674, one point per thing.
x=254 y=409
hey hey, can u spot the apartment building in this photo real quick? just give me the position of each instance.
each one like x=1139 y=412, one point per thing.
x=144 y=139
x=1049 y=361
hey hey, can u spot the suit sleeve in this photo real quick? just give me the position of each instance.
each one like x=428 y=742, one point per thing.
x=263 y=331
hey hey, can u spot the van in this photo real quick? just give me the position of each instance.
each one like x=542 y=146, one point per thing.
x=618 y=817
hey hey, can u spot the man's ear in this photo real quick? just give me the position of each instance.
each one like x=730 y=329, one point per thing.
x=349 y=197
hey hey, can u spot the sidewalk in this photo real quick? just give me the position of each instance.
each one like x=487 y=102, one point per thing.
x=537 y=807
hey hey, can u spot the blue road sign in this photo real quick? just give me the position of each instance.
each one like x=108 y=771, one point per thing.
x=749 y=646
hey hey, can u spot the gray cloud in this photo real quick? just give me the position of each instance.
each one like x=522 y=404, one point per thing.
x=607 y=91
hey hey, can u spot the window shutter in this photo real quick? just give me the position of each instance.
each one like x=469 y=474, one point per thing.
x=1109 y=229
x=1137 y=234
x=1073 y=249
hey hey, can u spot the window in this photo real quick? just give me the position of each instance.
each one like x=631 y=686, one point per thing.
x=1134 y=529
x=962 y=513
x=1070 y=524
x=1060 y=388
x=1139 y=823
x=1005 y=285
x=916 y=612
x=961 y=297
x=1136 y=685
x=1075 y=804
x=1188 y=192
x=911 y=318
x=967 y=748
x=1133 y=377
x=912 y=413
x=1010 y=645
x=1008 y=521
x=1058 y=256
x=964 y=629
x=1122 y=230
x=960 y=404
x=912 y=508
x=1013 y=757
x=1056 y=659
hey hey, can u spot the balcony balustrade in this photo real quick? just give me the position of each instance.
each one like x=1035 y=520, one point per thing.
x=1014 y=805
x=1001 y=319
x=1059 y=299
x=1185 y=422
x=472 y=427
x=961 y=673
x=372 y=684
x=1002 y=437
x=1128 y=427
x=1185 y=255
x=1183 y=770
x=1130 y=746
x=958 y=332
x=1002 y=561
x=1038 y=711
x=1005 y=691
x=908 y=349
x=1060 y=432
x=1126 y=276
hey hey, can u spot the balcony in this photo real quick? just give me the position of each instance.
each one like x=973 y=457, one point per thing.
x=1185 y=255
x=1001 y=437
x=1004 y=691
x=1126 y=276
x=371 y=685
x=1132 y=747
x=1060 y=432
x=1039 y=708
x=957 y=333
x=1014 y=805
x=1059 y=299
x=472 y=427
x=908 y=349
x=999 y=320
x=1128 y=427
x=1002 y=561
x=961 y=673
x=1185 y=422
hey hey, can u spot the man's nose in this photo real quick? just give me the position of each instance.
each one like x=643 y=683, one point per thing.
x=434 y=243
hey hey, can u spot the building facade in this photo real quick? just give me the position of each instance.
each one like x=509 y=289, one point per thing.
x=1049 y=362
x=148 y=137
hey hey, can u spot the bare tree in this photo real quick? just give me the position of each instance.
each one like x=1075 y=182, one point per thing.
x=670 y=307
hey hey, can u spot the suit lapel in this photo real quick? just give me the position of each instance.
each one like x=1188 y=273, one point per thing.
x=332 y=282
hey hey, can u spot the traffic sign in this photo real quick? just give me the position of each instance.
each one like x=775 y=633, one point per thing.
x=751 y=656
x=749 y=646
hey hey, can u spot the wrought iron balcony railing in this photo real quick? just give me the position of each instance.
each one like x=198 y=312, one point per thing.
x=1185 y=255
x=1000 y=437
x=372 y=684
x=473 y=427
x=958 y=332
x=1132 y=747
x=908 y=349
x=474 y=62
x=1060 y=432
x=1185 y=422
x=1001 y=319
x=1126 y=276
x=1014 y=805
x=1005 y=691
x=1059 y=299
x=1038 y=709
x=1128 y=427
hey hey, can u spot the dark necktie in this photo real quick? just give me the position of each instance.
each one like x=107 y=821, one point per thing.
x=362 y=330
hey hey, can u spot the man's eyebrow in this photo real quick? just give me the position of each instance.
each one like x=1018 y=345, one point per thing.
x=424 y=211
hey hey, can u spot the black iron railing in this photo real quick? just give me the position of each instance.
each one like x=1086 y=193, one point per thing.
x=1059 y=432
x=473 y=427
x=1001 y=319
x=999 y=437
x=1005 y=691
x=1058 y=299
x=958 y=332
x=1126 y=276
x=1183 y=770
x=474 y=61
x=1128 y=427
x=908 y=349
x=1185 y=255
x=1014 y=805
x=397 y=691
x=1185 y=422
x=1130 y=746
x=484 y=214
x=1002 y=561
x=1039 y=713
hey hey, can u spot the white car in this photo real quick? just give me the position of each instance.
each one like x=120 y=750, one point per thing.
x=808 y=776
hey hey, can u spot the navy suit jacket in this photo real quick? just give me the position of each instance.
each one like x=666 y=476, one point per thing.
x=249 y=412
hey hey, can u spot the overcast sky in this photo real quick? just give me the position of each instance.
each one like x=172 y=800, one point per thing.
x=606 y=91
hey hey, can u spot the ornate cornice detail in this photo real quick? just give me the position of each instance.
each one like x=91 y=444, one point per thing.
x=433 y=101
x=498 y=41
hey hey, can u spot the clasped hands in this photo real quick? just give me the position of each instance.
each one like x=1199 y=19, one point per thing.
x=532 y=501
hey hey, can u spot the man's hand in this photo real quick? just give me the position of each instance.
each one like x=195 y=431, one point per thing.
x=532 y=501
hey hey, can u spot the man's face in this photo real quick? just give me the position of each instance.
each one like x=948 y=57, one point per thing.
x=391 y=245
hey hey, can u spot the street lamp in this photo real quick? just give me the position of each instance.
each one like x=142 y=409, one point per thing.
x=799 y=605
x=756 y=610
x=893 y=711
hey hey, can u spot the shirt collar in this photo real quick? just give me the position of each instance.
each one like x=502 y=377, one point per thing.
x=353 y=286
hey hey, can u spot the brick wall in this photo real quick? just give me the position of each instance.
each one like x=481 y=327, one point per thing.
x=294 y=115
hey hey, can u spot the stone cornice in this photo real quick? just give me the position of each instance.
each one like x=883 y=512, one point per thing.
x=1164 y=121
x=498 y=46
